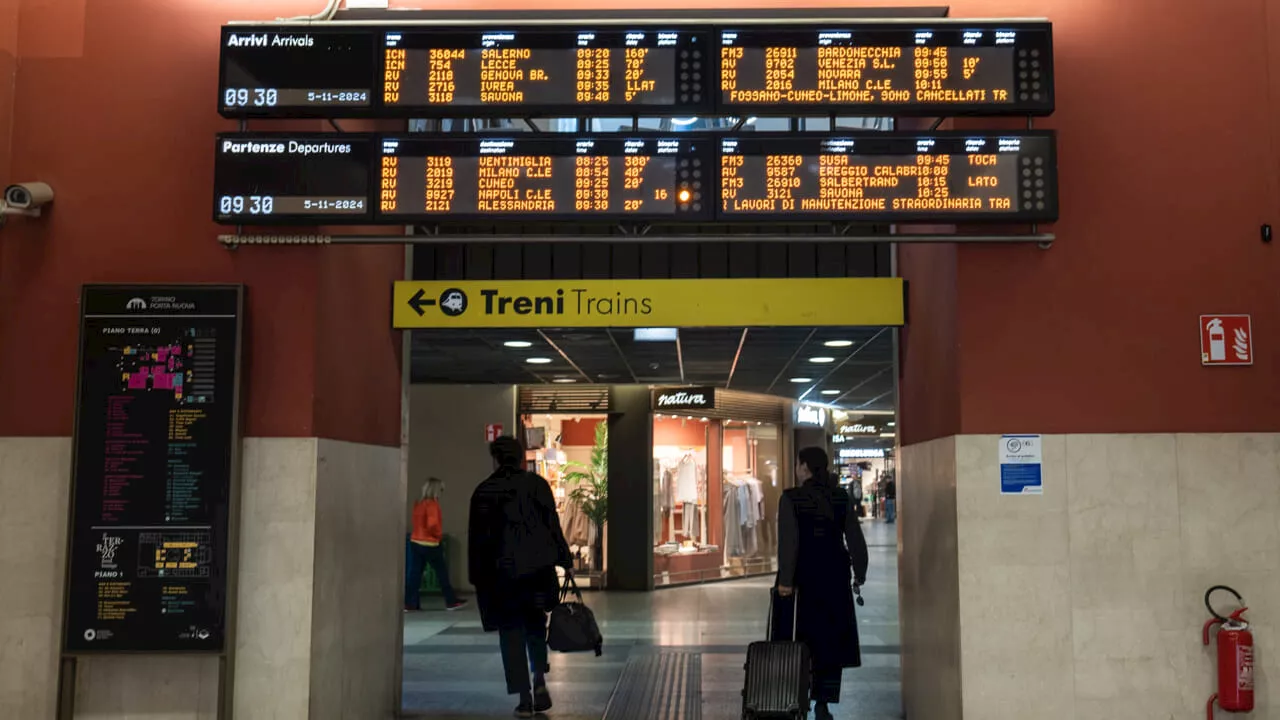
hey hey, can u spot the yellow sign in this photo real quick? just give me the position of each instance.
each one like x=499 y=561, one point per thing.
x=801 y=302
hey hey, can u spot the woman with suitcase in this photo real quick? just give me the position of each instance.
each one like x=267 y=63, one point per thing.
x=821 y=555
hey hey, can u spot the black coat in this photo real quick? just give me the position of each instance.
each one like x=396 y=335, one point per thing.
x=831 y=552
x=514 y=545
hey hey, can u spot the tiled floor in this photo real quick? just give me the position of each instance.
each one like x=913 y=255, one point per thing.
x=452 y=668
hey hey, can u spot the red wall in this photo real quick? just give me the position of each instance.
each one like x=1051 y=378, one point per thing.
x=681 y=433
x=579 y=432
x=123 y=130
x=1168 y=165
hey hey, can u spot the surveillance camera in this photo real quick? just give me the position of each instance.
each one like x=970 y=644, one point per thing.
x=28 y=196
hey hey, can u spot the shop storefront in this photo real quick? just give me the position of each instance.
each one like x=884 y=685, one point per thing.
x=718 y=471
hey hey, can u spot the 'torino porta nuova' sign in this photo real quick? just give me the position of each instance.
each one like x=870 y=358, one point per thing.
x=721 y=302
x=693 y=398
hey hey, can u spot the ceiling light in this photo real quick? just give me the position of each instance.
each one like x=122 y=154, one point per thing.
x=838 y=343
x=539 y=361
x=822 y=359
x=704 y=419
x=886 y=435
x=891 y=424
x=801 y=380
x=565 y=380
x=830 y=392
x=655 y=334
x=518 y=344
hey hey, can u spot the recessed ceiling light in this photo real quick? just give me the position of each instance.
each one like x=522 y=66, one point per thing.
x=830 y=392
x=518 y=343
x=822 y=359
x=539 y=361
x=838 y=343
x=801 y=380
x=565 y=380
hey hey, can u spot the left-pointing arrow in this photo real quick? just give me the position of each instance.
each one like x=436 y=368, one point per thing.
x=418 y=301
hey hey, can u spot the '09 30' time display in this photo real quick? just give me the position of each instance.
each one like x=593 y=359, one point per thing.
x=266 y=178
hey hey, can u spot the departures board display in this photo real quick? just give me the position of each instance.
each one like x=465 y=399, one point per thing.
x=434 y=73
x=529 y=69
x=679 y=178
x=269 y=178
x=154 y=457
x=978 y=68
x=889 y=177
x=568 y=177
x=293 y=72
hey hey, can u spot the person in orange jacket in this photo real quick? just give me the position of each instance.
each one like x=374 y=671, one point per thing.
x=425 y=549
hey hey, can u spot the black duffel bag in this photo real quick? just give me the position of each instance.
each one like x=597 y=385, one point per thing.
x=573 y=626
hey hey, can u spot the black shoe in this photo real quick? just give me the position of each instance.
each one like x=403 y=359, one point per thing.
x=524 y=709
x=821 y=712
x=541 y=700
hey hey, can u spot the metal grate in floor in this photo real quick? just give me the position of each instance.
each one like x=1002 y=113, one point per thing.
x=658 y=686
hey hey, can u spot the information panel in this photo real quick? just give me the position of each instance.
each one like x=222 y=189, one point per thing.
x=889 y=177
x=264 y=179
x=290 y=72
x=601 y=178
x=154 y=457
x=899 y=69
x=573 y=70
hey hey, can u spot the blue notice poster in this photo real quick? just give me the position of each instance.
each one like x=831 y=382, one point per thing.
x=1021 y=461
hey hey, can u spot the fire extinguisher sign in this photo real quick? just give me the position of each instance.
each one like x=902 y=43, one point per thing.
x=1226 y=340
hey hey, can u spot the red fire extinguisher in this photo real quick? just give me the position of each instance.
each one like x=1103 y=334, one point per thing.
x=1235 y=656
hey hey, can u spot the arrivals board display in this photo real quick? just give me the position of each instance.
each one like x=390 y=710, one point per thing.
x=154 y=457
x=894 y=177
x=265 y=179
x=303 y=72
x=526 y=68
x=587 y=178
x=571 y=70
x=893 y=69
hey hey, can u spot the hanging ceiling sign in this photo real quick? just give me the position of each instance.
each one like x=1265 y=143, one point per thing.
x=747 y=302
x=811 y=415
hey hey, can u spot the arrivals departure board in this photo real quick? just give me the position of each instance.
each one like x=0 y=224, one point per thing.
x=611 y=178
x=294 y=72
x=265 y=179
x=897 y=69
x=154 y=457
x=524 y=67
x=889 y=177
x=571 y=70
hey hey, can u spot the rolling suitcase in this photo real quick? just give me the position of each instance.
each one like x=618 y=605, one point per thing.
x=778 y=671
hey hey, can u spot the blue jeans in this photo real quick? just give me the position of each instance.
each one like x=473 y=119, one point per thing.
x=890 y=509
x=419 y=557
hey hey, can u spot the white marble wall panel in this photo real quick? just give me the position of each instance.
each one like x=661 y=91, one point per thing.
x=35 y=477
x=276 y=578
x=928 y=581
x=358 y=586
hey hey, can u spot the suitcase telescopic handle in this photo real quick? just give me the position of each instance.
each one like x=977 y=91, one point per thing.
x=795 y=613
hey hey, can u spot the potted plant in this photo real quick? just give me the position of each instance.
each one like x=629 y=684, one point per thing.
x=591 y=490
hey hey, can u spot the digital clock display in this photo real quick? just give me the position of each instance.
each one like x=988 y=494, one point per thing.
x=439 y=72
x=952 y=68
x=889 y=177
x=605 y=178
x=263 y=179
x=281 y=72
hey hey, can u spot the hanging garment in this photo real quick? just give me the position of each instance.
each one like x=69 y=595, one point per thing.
x=687 y=480
x=732 y=523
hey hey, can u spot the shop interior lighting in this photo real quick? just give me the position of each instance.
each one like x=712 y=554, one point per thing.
x=838 y=343
x=565 y=380
x=887 y=435
x=518 y=344
x=539 y=361
x=822 y=359
x=801 y=380
x=891 y=423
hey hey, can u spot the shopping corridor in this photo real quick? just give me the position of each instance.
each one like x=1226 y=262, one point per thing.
x=452 y=668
